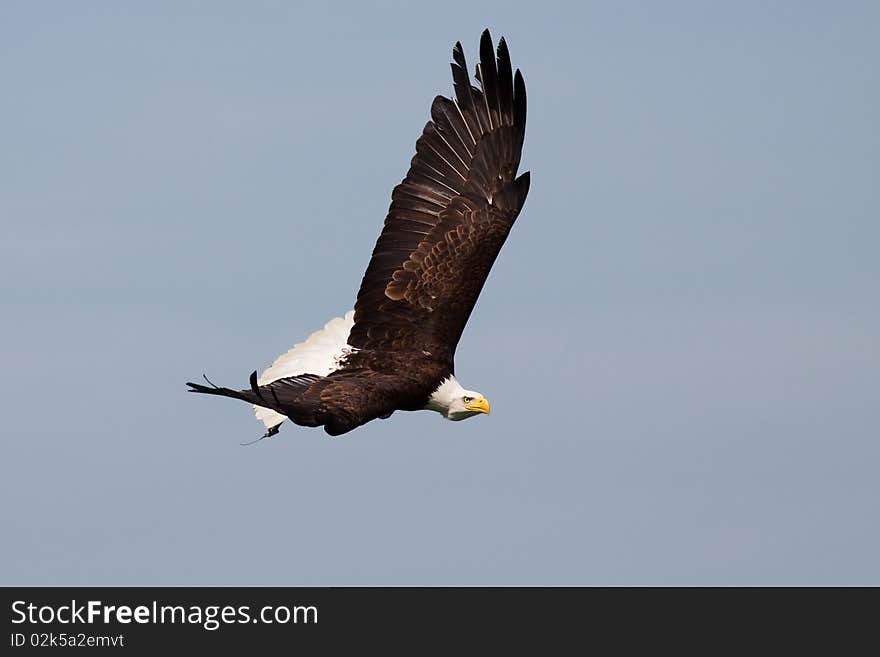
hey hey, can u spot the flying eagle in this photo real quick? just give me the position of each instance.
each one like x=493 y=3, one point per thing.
x=447 y=222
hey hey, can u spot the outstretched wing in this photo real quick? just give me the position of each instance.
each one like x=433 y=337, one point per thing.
x=340 y=402
x=450 y=215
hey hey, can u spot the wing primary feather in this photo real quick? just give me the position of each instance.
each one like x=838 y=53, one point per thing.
x=519 y=105
x=505 y=84
x=445 y=118
x=464 y=90
x=467 y=127
x=255 y=387
x=488 y=76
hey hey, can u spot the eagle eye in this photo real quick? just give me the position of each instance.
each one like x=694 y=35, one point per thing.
x=467 y=400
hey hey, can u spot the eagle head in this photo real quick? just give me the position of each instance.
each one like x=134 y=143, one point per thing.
x=455 y=403
x=466 y=405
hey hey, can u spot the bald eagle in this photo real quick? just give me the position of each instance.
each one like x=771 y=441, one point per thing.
x=447 y=222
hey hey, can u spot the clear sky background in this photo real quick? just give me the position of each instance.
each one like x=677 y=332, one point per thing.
x=680 y=340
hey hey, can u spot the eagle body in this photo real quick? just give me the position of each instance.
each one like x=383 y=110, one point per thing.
x=447 y=222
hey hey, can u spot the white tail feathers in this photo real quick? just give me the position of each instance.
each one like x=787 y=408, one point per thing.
x=319 y=354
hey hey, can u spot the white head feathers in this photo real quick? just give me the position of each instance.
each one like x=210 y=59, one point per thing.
x=455 y=403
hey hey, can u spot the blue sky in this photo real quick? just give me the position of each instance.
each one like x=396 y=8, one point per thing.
x=680 y=340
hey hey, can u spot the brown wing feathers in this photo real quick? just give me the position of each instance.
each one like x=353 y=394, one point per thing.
x=411 y=296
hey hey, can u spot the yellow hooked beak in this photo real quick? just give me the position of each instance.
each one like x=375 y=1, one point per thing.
x=479 y=405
